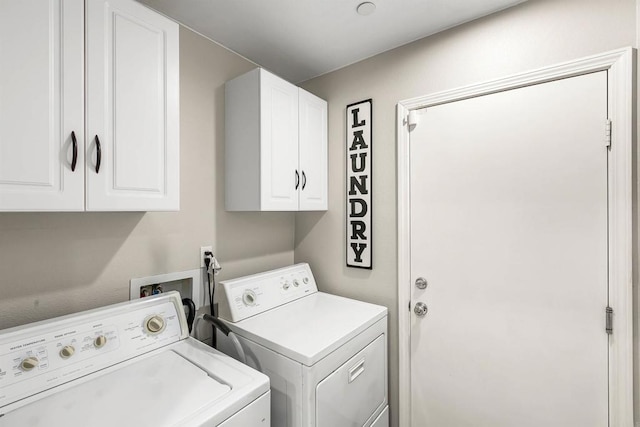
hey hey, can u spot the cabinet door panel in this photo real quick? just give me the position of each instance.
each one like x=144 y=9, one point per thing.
x=41 y=103
x=279 y=151
x=138 y=125
x=132 y=92
x=313 y=152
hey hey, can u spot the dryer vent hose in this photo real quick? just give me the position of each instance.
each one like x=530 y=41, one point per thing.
x=219 y=325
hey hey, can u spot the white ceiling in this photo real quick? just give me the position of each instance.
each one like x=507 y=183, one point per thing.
x=301 y=39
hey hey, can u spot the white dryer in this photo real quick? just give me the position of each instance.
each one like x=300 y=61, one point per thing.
x=130 y=364
x=326 y=356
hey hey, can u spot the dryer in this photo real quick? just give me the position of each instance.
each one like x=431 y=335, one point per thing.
x=129 y=364
x=325 y=355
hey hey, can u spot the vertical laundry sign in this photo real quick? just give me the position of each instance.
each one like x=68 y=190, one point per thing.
x=358 y=205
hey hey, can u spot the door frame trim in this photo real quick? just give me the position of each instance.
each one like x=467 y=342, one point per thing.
x=621 y=88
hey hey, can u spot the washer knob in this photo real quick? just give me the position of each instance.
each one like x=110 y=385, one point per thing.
x=100 y=341
x=286 y=286
x=296 y=283
x=29 y=363
x=155 y=324
x=305 y=280
x=67 y=351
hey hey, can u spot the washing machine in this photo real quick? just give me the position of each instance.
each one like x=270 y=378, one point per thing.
x=325 y=355
x=130 y=364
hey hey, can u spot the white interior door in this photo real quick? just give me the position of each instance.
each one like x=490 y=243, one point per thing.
x=41 y=105
x=509 y=229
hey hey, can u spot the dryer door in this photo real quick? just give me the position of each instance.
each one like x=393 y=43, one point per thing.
x=356 y=391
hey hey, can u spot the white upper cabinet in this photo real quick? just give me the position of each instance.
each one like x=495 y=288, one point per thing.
x=132 y=108
x=41 y=105
x=48 y=159
x=276 y=145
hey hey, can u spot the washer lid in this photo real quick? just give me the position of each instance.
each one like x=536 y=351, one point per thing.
x=308 y=329
x=162 y=390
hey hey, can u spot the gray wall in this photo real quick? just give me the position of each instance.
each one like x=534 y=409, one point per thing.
x=57 y=263
x=532 y=35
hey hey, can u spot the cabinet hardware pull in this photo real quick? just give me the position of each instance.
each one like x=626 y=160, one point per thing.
x=297 y=179
x=356 y=370
x=304 y=180
x=99 y=156
x=75 y=151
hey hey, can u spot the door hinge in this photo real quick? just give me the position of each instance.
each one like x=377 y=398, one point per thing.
x=609 y=320
x=607 y=133
x=411 y=120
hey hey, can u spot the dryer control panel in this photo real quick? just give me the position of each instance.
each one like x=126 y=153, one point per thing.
x=247 y=296
x=43 y=355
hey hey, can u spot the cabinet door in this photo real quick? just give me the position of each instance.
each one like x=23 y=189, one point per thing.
x=41 y=104
x=313 y=152
x=280 y=176
x=132 y=108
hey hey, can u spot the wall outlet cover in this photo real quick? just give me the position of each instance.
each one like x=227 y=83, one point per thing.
x=204 y=249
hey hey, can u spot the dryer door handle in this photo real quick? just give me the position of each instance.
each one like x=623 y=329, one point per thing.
x=356 y=370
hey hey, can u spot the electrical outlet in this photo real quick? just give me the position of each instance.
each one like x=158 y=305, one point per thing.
x=204 y=249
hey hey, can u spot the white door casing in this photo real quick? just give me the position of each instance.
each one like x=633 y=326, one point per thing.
x=620 y=85
x=132 y=108
x=41 y=104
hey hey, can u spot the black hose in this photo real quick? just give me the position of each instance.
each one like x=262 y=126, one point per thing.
x=210 y=291
x=217 y=323
x=188 y=302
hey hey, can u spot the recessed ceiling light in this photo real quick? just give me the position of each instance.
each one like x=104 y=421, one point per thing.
x=366 y=8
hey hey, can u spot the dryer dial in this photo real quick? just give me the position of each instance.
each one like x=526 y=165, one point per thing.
x=249 y=298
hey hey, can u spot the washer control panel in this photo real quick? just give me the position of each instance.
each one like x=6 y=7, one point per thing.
x=250 y=295
x=37 y=357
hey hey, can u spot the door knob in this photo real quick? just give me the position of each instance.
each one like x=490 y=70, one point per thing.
x=421 y=283
x=420 y=309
